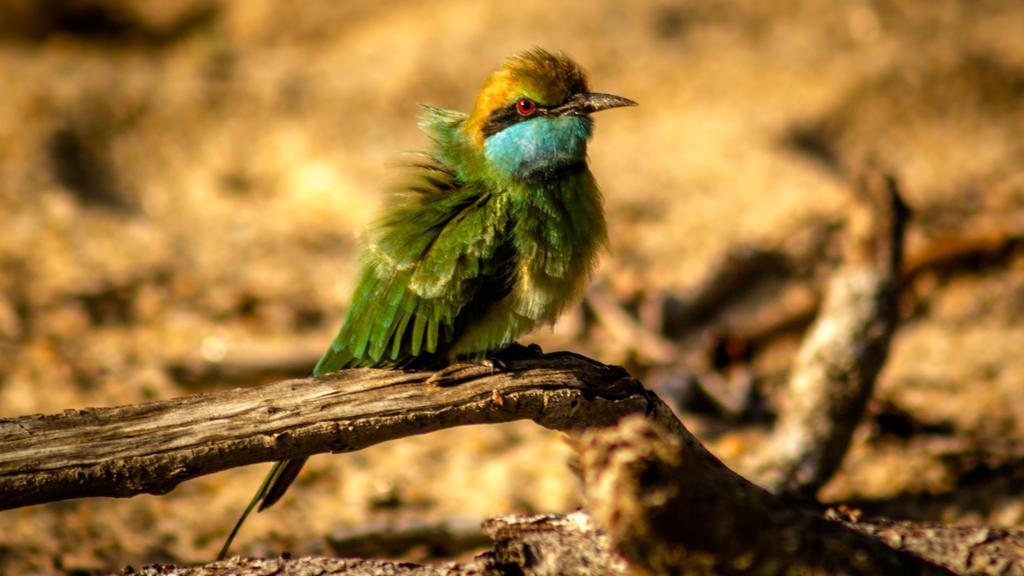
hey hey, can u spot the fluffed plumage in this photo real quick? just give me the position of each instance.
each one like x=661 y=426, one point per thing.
x=496 y=233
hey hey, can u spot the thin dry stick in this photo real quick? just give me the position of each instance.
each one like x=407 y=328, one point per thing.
x=794 y=311
x=630 y=334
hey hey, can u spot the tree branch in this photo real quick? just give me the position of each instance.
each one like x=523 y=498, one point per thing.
x=716 y=516
x=968 y=550
x=845 y=349
x=671 y=509
x=151 y=448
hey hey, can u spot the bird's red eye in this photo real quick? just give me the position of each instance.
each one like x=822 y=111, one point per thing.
x=525 y=107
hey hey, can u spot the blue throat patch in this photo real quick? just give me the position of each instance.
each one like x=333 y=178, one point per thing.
x=540 y=144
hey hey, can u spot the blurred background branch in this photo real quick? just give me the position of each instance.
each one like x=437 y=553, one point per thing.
x=842 y=354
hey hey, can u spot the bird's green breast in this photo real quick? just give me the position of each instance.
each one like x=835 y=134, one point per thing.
x=555 y=229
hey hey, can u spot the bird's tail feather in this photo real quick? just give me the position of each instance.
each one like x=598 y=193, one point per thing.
x=284 y=474
x=270 y=491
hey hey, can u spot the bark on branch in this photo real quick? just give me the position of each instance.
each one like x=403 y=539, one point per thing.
x=638 y=476
x=670 y=508
x=666 y=506
x=151 y=448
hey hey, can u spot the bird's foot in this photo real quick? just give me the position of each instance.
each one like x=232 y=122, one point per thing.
x=568 y=354
x=516 y=351
x=460 y=372
x=497 y=361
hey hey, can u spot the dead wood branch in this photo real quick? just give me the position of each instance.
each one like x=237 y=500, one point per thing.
x=547 y=545
x=796 y=309
x=394 y=540
x=841 y=356
x=574 y=540
x=967 y=550
x=151 y=448
x=239 y=566
x=555 y=545
x=663 y=500
x=947 y=254
x=790 y=313
x=672 y=508
x=728 y=281
x=647 y=345
x=551 y=545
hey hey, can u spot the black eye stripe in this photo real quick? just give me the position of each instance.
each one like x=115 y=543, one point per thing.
x=504 y=117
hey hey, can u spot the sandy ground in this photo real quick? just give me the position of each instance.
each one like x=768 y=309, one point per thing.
x=185 y=181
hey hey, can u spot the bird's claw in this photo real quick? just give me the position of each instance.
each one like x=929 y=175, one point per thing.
x=516 y=351
x=497 y=361
x=457 y=373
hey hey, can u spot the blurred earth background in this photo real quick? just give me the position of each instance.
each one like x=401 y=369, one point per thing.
x=182 y=185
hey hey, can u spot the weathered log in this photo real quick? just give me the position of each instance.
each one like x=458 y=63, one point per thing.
x=320 y=566
x=550 y=545
x=671 y=508
x=556 y=545
x=547 y=545
x=151 y=448
x=389 y=539
x=967 y=550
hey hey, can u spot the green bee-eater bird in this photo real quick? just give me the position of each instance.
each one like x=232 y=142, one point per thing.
x=496 y=235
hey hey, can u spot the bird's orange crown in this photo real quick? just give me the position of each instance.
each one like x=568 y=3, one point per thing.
x=545 y=78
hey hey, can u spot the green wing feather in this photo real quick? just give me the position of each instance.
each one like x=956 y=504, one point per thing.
x=436 y=254
x=432 y=254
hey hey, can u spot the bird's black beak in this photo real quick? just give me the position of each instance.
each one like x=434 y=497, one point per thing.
x=589 y=102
